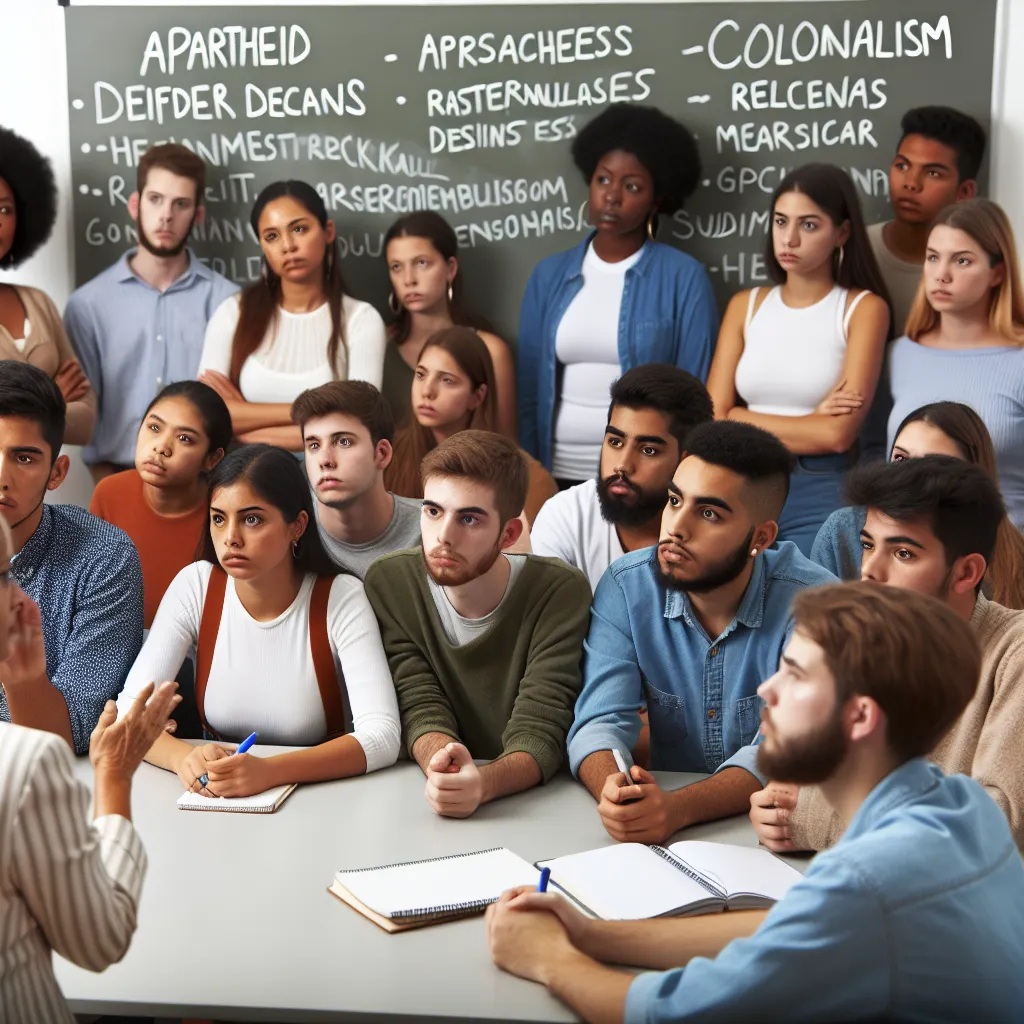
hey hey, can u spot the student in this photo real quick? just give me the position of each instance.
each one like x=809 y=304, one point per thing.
x=653 y=408
x=942 y=428
x=83 y=573
x=139 y=325
x=965 y=336
x=936 y=164
x=689 y=628
x=931 y=527
x=916 y=914
x=347 y=430
x=426 y=296
x=30 y=326
x=286 y=647
x=802 y=359
x=296 y=327
x=163 y=503
x=617 y=300
x=68 y=886
x=454 y=389
x=484 y=646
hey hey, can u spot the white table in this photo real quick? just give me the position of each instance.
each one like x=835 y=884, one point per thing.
x=236 y=922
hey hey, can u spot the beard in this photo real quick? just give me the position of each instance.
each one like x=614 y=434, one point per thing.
x=457 y=575
x=808 y=760
x=718 y=574
x=164 y=251
x=635 y=509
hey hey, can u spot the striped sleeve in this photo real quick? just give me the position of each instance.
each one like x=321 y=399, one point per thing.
x=81 y=882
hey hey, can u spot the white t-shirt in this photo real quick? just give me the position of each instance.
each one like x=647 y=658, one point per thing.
x=570 y=526
x=457 y=628
x=262 y=677
x=293 y=357
x=901 y=277
x=587 y=346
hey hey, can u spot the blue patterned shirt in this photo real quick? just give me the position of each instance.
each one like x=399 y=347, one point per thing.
x=85 y=576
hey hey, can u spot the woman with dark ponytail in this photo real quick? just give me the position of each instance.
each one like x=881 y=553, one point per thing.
x=296 y=328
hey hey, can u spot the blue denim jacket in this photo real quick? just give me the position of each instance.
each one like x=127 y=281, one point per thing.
x=668 y=315
x=916 y=914
x=700 y=691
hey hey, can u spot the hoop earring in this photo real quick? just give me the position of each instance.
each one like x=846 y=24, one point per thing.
x=295 y=549
x=652 y=225
x=449 y=295
x=393 y=304
x=839 y=261
x=580 y=219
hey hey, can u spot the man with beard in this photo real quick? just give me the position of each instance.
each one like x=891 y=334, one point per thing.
x=918 y=912
x=347 y=433
x=484 y=646
x=931 y=527
x=653 y=409
x=140 y=324
x=690 y=628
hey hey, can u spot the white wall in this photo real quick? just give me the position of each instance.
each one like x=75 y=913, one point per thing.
x=33 y=101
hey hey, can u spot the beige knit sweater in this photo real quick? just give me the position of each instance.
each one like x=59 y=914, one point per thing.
x=986 y=743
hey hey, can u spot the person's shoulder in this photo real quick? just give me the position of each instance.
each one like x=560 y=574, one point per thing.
x=634 y=566
x=97 y=289
x=91 y=538
x=788 y=565
x=682 y=263
x=404 y=565
x=1000 y=630
x=556 y=573
x=567 y=503
x=844 y=521
x=361 y=313
x=226 y=310
x=560 y=264
x=24 y=751
x=346 y=586
x=221 y=287
x=118 y=485
x=876 y=231
x=37 y=301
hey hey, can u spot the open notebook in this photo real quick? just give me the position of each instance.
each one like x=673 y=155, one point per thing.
x=402 y=896
x=631 y=881
x=262 y=803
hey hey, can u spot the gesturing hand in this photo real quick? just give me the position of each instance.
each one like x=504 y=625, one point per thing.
x=638 y=813
x=25 y=664
x=454 y=786
x=118 y=745
x=770 y=812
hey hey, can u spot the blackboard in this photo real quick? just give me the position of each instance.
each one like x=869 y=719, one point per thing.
x=469 y=111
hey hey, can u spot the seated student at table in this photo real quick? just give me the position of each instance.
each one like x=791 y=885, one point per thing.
x=484 y=646
x=653 y=408
x=426 y=295
x=66 y=886
x=83 y=573
x=287 y=647
x=942 y=428
x=454 y=389
x=802 y=359
x=931 y=526
x=916 y=914
x=296 y=327
x=965 y=335
x=689 y=628
x=347 y=431
x=163 y=503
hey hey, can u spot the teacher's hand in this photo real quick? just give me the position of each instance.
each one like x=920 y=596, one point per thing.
x=117 y=746
x=25 y=665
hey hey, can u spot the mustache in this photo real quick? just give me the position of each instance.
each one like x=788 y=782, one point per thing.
x=621 y=478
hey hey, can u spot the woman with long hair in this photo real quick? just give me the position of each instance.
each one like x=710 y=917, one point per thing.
x=453 y=389
x=965 y=335
x=426 y=296
x=287 y=645
x=802 y=359
x=295 y=328
x=942 y=428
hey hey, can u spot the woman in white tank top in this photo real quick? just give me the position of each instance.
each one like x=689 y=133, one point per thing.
x=802 y=359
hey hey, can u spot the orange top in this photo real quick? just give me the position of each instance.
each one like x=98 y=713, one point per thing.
x=166 y=544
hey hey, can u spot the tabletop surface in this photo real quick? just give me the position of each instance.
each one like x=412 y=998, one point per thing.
x=236 y=922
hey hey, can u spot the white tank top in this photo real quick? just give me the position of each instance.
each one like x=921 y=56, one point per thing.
x=792 y=358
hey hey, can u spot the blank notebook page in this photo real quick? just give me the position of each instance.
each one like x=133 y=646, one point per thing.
x=739 y=869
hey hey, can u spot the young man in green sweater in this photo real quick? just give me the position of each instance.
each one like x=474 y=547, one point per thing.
x=484 y=647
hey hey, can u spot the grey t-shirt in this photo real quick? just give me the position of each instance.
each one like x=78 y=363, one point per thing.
x=460 y=630
x=403 y=532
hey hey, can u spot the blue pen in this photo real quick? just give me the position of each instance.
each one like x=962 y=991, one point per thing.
x=545 y=874
x=244 y=746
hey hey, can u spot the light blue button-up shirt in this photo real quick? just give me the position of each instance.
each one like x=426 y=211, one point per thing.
x=700 y=691
x=133 y=339
x=917 y=914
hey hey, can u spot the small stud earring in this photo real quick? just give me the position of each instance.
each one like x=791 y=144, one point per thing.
x=753 y=552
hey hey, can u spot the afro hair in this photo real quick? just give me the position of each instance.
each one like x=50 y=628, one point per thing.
x=30 y=177
x=664 y=146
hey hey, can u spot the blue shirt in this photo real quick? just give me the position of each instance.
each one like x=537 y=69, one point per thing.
x=917 y=914
x=133 y=340
x=700 y=691
x=668 y=315
x=837 y=546
x=85 y=576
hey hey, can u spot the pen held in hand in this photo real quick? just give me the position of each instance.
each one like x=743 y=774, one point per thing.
x=620 y=763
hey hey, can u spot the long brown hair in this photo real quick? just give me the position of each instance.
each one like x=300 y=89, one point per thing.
x=966 y=429
x=467 y=348
x=986 y=222
x=260 y=304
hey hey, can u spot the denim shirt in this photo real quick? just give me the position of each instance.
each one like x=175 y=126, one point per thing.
x=668 y=315
x=837 y=546
x=917 y=914
x=700 y=691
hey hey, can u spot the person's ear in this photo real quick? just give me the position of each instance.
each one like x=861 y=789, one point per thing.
x=58 y=472
x=478 y=396
x=512 y=531
x=844 y=233
x=453 y=270
x=133 y=205
x=998 y=274
x=299 y=526
x=862 y=718
x=967 y=573
x=200 y=215
x=764 y=537
x=383 y=454
x=212 y=459
x=329 y=232
x=966 y=189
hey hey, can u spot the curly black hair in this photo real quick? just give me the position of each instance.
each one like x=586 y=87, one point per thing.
x=664 y=146
x=31 y=178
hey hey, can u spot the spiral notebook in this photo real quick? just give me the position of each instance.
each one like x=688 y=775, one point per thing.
x=631 y=881
x=261 y=803
x=401 y=896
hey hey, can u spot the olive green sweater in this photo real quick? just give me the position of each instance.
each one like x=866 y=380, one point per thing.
x=513 y=688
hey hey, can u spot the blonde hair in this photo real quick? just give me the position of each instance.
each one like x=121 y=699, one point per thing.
x=987 y=223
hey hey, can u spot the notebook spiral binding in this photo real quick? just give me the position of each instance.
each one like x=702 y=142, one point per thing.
x=688 y=871
x=426 y=860
x=442 y=911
